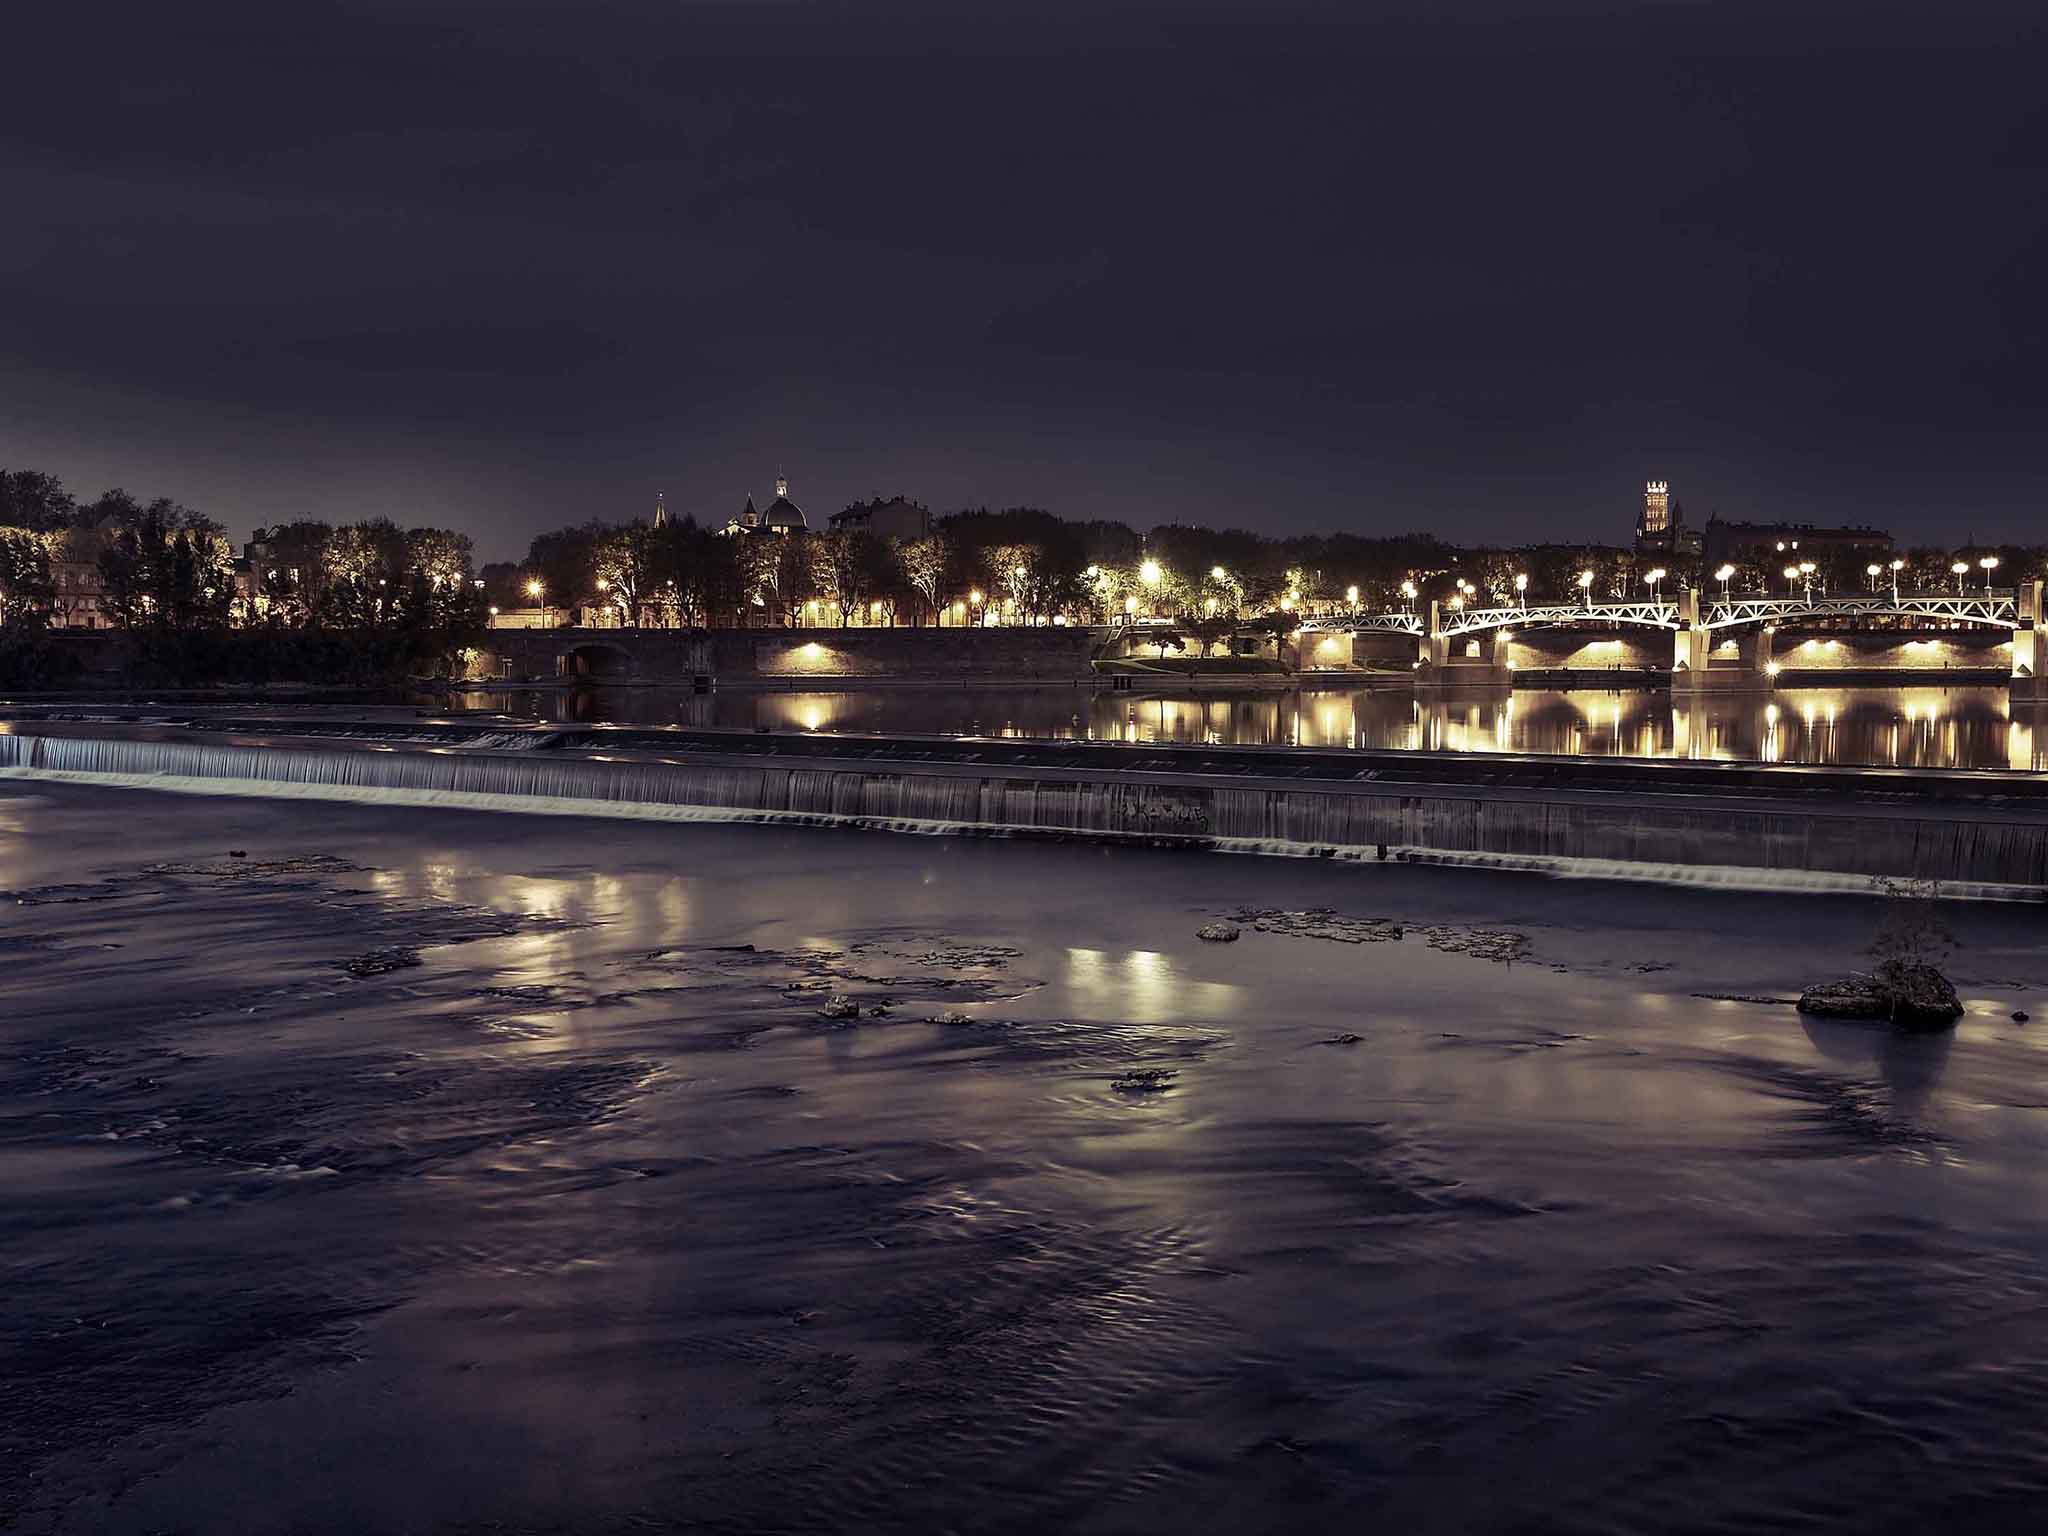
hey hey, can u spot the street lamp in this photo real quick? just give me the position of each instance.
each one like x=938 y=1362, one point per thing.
x=1959 y=570
x=1655 y=578
x=1586 y=587
x=1990 y=564
x=1724 y=576
x=1791 y=576
x=1408 y=595
x=1217 y=573
x=534 y=589
x=1806 y=570
x=1873 y=571
x=1897 y=566
x=1522 y=589
x=1351 y=597
x=1150 y=574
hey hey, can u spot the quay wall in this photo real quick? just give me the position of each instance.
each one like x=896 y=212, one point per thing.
x=778 y=655
x=1722 y=838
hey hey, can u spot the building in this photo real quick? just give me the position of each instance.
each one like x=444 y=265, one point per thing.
x=897 y=518
x=1768 y=546
x=1660 y=526
x=80 y=601
x=782 y=516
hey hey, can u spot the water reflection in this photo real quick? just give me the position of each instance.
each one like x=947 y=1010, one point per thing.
x=1930 y=727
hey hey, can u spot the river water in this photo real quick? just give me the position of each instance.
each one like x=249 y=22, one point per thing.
x=1925 y=727
x=591 y=1221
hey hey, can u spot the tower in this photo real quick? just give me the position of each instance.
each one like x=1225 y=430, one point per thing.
x=1657 y=507
x=782 y=486
x=660 y=510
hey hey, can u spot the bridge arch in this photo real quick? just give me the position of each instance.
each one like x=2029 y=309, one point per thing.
x=597 y=660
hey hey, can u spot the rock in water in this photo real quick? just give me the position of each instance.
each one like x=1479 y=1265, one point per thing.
x=1219 y=933
x=1921 y=997
x=1145 y=1080
x=840 y=1008
x=1911 y=995
x=1853 y=997
x=380 y=962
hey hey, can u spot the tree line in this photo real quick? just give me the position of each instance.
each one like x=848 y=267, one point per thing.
x=364 y=602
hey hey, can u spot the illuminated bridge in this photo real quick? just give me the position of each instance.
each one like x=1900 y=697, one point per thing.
x=1458 y=644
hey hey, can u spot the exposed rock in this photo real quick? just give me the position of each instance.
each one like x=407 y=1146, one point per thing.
x=1922 y=998
x=949 y=1018
x=1480 y=943
x=840 y=1008
x=1910 y=995
x=1321 y=923
x=1146 y=1080
x=1344 y=1039
x=378 y=962
x=879 y=1011
x=1219 y=933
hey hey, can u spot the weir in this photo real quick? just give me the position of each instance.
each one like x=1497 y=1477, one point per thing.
x=1984 y=835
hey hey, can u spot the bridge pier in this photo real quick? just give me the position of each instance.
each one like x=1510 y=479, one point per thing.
x=1474 y=660
x=2030 y=648
x=1695 y=671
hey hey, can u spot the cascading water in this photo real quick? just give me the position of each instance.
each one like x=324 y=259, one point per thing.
x=1786 y=847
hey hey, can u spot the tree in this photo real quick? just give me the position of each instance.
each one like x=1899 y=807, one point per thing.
x=851 y=563
x=444 y=557
x=26 y=587
x=622 y=568
x=924 y=571
x=35 y=502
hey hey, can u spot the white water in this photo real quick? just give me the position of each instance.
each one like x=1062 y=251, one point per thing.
x=716 y=793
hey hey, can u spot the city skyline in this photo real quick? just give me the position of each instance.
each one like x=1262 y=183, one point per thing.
x=1242 y=265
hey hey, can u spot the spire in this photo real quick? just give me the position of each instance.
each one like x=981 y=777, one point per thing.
x=660 y=510
x=781 y=485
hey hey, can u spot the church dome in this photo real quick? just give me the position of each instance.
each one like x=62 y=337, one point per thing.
x=782 y=512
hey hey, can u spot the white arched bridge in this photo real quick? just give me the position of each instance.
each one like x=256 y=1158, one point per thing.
x=1982 y=610
x=1717 y=642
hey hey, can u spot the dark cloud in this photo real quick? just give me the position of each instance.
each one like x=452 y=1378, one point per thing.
x=1488 y=264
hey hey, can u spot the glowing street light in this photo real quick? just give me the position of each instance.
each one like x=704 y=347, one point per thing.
x=1897 y=566
x=533 y=589
x=1873 y=571
x=1655 y=578
x=1408 y=594
x=1989 y=564
x=1724 y=576
x=1150 y=574
x=1586 y=587
x=1522 y=589
x=1791 y=576
x=1959 y=570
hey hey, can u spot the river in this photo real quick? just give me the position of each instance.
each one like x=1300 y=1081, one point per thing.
x=1533 y=1207
x=1922 y=727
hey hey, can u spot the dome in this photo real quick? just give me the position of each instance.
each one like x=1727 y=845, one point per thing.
x=782 y=512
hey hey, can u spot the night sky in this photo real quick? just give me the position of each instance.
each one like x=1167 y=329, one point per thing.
x=1476 y=266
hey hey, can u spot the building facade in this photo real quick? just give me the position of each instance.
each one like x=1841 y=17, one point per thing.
x=898 y=518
